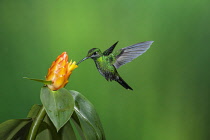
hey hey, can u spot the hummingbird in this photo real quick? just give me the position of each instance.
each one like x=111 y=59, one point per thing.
x=108 y=62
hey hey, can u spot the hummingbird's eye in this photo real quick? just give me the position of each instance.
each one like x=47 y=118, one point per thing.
x=94 y=53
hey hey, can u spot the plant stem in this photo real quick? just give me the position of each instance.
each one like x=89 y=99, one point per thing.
x=36 y=123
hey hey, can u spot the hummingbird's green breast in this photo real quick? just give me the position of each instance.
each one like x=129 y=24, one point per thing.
x=105 y=66
x=106 y=59
x=105 y=62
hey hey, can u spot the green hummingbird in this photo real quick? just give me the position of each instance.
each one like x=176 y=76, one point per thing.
x=107 y=62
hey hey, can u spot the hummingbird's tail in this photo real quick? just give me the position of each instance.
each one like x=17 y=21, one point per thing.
x=123 y=83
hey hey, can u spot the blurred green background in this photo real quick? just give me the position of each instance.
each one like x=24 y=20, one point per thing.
x=171 y=81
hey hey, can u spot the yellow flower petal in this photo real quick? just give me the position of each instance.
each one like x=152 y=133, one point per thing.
x=59 y=82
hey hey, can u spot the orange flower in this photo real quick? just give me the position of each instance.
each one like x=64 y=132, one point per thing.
x=60 y=71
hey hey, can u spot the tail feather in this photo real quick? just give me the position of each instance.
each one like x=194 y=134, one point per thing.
x=123 y=83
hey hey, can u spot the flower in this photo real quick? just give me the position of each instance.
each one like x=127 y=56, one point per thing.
x=60 y=71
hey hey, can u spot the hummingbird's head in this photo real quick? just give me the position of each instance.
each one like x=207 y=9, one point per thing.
x=92 y=53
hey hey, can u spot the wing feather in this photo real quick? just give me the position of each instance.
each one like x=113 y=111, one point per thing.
x=129 y=53
x=110 y=50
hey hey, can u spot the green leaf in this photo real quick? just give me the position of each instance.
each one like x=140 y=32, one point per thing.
x=51 y=128
x=67 y=132
x=59 y=105
x=34 y=111
x=13 y=129
x=39 y=80
x=87 y=118
x=78 y=126
x=47 y=131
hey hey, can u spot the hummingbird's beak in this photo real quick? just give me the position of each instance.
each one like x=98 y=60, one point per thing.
x=82 y=60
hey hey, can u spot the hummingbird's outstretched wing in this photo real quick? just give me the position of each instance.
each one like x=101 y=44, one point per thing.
x=110 y=50
x=129 y=53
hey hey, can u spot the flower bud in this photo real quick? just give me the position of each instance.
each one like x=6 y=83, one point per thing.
x=60 y=71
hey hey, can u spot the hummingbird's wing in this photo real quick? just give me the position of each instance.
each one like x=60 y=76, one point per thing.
x=129 y=53
x=110 y=50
